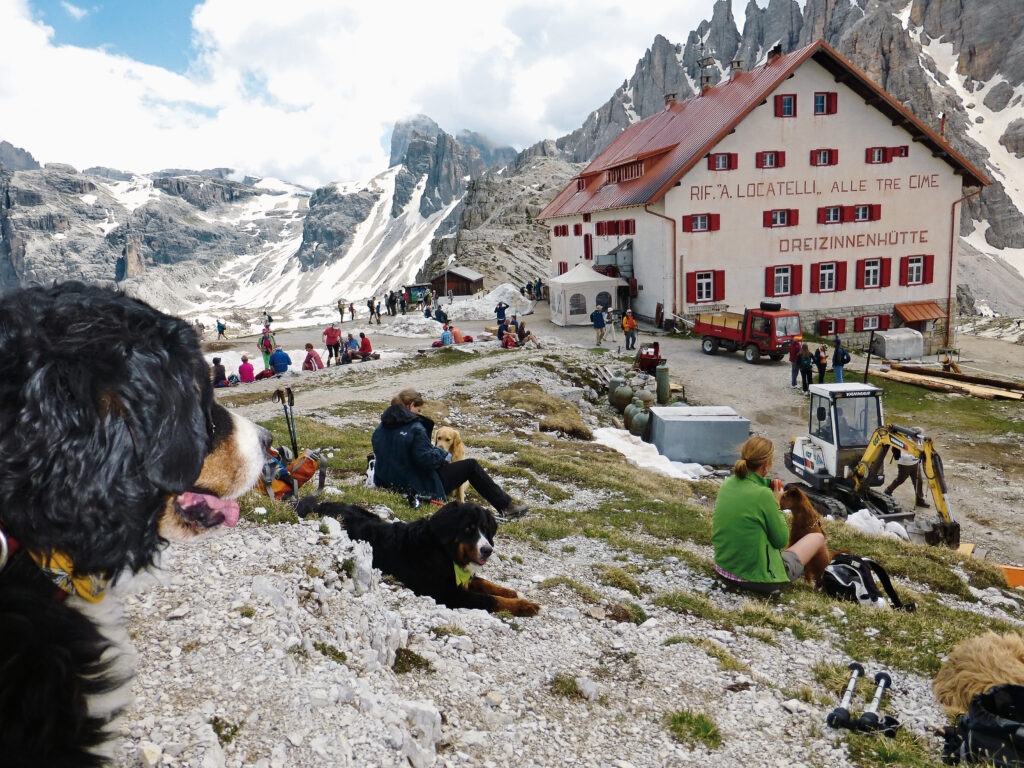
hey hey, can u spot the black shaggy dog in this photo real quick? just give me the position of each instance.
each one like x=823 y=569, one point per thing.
x=423 y=554
x=110 y=444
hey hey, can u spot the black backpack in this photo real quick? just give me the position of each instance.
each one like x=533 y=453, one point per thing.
x=991 y=732
x=851 y=577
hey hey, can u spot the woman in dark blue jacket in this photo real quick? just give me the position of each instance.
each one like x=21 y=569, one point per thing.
x=406 y=461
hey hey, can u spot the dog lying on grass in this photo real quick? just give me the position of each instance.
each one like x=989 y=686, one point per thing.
x=449 y=439
x=976 y=665
x=437 y=556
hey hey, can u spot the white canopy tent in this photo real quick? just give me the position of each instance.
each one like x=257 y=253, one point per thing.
x=578 y=292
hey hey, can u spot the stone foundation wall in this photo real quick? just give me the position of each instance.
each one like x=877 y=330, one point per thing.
x=934 y=339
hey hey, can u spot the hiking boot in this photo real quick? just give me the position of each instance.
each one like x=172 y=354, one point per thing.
x=922 y=503
x=514 y=510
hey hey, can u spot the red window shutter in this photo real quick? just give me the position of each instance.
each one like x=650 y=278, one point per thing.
x=822 y=214
x=814 y=157
x=904 y=151
x=876 y=213
x=687 y=223
x=815 y=278
x=563 y=267
x=833 y=103
x=778 y=106
x=780 y=159
x=630 y=226
x=890 y=153
x=794 y=217
x=769 y=281
x=929 y=268
x=691 y=287
x=886 y=270
x=734 y=161
x=833 y=156
x=767 y=218
x=840 y=326
x=711 y=162
x=586 y=217
x=577 y=229
x=849 y=213
x=796 y=283
x=868 y=155
x=883 y=322
x=823 y=326
x=840 y=275
x=613 y=227
x=588 y=247
x=905 y=270
x=858 y=323
x=860 y=272
x=719 y=284
x=759 y=159
x=601 y=228
x=714 y=221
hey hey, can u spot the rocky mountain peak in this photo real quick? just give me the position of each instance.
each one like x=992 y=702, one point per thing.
x=403 y=132
x=16 y=159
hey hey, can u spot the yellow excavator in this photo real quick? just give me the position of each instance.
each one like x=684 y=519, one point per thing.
x=840 y=462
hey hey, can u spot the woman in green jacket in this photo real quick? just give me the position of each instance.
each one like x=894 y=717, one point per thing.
x=749 y=532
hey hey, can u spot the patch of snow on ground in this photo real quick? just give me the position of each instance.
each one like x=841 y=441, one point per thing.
x=1012 y=256
x=646 y=456
x=88 y=199
x=133 y=194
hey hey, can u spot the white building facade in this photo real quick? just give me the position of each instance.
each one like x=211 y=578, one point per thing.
x=820 y=193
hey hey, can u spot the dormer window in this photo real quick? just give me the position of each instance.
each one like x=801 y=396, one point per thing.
x=626 y=172
x=581 y=184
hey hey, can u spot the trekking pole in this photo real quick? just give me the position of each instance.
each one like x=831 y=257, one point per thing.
x=291 y=420
x=869 y=721
x=840 y=716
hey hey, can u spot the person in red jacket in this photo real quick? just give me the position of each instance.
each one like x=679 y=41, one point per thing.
x=364 y=346
x=794 y=363
x=332 y=338
x=312 y=361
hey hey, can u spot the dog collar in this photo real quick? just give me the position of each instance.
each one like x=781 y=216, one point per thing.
x=462 y=575
x=57 y=568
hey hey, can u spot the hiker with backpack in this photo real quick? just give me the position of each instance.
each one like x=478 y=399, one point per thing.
x=221 y=327
x=265 y=344
x=749 y=533
x=840 y=357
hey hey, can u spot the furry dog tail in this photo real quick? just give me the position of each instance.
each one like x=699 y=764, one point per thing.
x=51 y=664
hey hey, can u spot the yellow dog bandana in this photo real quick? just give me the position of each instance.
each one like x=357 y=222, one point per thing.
x=59 y=568
x=462 y=575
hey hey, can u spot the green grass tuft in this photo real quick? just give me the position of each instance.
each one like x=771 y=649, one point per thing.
x=693 y=727
x=407 y=661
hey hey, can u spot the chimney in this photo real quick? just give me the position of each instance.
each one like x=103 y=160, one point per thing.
x=706 y=78
x=775 y=52
x=670 y=99
x=735 y=68
x=942 y=124
x=707 y=81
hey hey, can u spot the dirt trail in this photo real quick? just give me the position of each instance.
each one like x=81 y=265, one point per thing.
x=985 y=477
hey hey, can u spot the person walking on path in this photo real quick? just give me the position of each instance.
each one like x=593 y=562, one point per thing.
x=265 y=344
x=536 y=290
x=267 y=319
x=369 y=308
x=629 y=326
x=221 y=327
x=313 y=362
x=378 y=313
x=341 y=309
x=840 y=357
x=597 y=318
x=609 y=321
x=909 y=468
x=332 y=339
x=794 y=363
x=821 y=361
x=351 y=311
x=407 y=461
x=806 y=363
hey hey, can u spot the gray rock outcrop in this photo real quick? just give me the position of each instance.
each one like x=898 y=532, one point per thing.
x=16 y=159
x=205 y=192
x=331 y=223
x=1013 y=137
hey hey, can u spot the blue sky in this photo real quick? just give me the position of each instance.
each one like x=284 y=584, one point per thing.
x=308 y=90
x=150 y=31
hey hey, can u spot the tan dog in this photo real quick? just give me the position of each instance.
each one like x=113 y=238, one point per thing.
x=976 y=665
x=449 y=439
x=805 y=520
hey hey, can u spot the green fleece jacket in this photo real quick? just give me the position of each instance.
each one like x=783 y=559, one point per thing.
x=748 y=530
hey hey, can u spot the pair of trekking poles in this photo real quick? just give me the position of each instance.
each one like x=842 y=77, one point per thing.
x=284 y=471
x=869 y=722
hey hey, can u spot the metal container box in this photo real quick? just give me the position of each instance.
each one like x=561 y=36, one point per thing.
x=702 y=434
x=898 y=344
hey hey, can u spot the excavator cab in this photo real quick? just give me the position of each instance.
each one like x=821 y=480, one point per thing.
x=842 y=419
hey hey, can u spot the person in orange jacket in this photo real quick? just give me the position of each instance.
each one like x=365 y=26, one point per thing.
x=629 y=327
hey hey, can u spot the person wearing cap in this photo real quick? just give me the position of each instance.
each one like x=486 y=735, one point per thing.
x=909 y=468
x=597 y=318
x=609 y=322
x=407 y=461
x=446 y=336
x=629 y=327
x=279 y=361
x=332 y=338
x=266 y=345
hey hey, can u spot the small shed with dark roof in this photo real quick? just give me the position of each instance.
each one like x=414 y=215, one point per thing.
x=459 y=280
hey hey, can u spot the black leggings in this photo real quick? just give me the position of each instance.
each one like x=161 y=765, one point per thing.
x=457 y=472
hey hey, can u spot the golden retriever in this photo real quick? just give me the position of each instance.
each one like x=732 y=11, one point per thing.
x=449 y=439
x=976 y=665
x=805 y=520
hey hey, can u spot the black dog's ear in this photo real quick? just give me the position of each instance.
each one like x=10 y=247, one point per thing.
x=446 y=522
x=490 y=525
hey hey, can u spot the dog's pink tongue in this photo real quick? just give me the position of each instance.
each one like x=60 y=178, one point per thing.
x=227 y=508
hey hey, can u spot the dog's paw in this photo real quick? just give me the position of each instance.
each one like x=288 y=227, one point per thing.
x=524 y=608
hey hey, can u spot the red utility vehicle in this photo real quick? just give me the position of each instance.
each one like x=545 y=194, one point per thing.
x=768 y=330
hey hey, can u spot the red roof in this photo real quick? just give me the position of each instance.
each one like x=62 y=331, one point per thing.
x=917 y=311
x=675 y=139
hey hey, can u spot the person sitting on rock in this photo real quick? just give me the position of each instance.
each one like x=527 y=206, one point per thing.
x=279 y=361
x=220 y=376
x=457 y=337
x=246 y=374
x=446 y=336
x=526 y=336
x=312 y=361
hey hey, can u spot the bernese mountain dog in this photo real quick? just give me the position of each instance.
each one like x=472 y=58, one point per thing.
x=111 y=444
x=437 y=556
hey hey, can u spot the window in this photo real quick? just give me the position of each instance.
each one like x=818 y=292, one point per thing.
x=771 y=159
x=561 y=230
x=832 y=214
x=705 y=286
x=871 y=323
x=877 y=155
x=862 y=213
x=626 y=172
x=577 y=304
x=783 y=280
x=588 y=246
x=824 y=156
x=577 y=229
x=857 y=418
x=586 y=217
x=828 y=276
x=563 y=267
x=604 y=299
x=873 y=273
x=830 y=326
x=723 y=161
x=785 y=105
x=629 y=227
x=917 y=270
x=581 y=185
x=826 y=102
x=781 y=218
x=701 y=222
x=821 y=428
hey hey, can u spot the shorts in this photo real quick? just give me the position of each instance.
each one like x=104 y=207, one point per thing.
x=794 y=568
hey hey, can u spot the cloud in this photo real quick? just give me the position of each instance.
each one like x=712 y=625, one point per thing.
x=309 y=91
x=74 y=11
